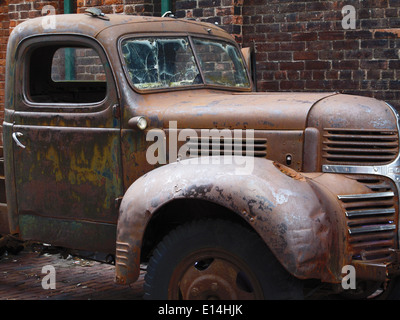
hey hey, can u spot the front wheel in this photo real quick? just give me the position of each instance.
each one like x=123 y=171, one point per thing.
x=216 y=260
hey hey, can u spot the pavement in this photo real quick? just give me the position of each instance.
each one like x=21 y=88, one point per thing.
x=22 y=277
x=26 y=275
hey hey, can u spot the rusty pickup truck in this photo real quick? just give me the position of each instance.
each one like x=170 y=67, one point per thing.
x=143 y=138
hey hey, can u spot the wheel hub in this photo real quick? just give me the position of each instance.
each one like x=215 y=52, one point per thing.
x=214 y=275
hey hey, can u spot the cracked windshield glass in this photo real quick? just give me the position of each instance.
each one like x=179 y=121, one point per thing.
x=156 y=63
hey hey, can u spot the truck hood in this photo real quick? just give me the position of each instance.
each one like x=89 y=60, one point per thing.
x=215 y=109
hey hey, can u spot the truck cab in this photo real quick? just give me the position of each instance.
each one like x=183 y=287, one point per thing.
x=143 y=138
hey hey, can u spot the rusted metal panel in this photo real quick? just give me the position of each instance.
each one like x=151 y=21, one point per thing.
x=67 y=179
x=299 y=216
x=213 y=109
x=67 y=166
x=283 y=209
x=4 y=223
x=117 y=25
x=366 y=134
x=9 y=180
x=266 y=114
x=278 y=145
x=63 y=159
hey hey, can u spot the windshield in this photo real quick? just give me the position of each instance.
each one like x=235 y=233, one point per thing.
x=157 y=63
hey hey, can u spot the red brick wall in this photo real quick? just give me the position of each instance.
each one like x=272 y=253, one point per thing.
x=226 y=13
x=4 y=33
x=21 y=10
x=302 y=46
x=13 y=12
x=139 y=7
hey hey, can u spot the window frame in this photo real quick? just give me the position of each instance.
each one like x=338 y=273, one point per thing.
x=203 y=85
x=30 y=44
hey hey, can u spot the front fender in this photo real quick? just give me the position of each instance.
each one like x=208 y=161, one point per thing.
x=278 y=203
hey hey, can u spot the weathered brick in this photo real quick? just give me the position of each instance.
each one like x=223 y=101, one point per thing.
x=346 y=45
x=186 y=4
x=305 y=55
x=346 y=64
x=331 y=35
x=268 y=85
x=292 y=85
x=292 y=46
x=280 y=36
x=375 y=43
x=294 y=39
x=316 y=65
x=208 y=3
x=291 y=65
x=386 y=53
x=279 y=56
x=358 y=54
x=304 y=36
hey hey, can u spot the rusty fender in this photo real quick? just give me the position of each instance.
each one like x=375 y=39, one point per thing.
x=281 y=207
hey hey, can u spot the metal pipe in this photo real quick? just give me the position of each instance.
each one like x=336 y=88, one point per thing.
x=165 y=6
x=69 y=52
x=68 y=7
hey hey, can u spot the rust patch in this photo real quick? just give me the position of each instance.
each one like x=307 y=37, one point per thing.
x=289 y=172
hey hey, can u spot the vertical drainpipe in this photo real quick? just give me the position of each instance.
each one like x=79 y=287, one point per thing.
x=165 y=6
x=69 y=52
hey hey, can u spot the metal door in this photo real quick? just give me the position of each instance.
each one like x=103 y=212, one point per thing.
x=66 y=136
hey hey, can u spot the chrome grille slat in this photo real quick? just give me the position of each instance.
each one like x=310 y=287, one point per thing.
x=369 y=212
x=373 y=228
x=366 y=196
x=371 y=219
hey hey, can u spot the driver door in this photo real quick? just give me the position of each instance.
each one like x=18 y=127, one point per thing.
x=66 y=142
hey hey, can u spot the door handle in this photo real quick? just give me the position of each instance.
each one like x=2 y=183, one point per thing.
x=15 y=136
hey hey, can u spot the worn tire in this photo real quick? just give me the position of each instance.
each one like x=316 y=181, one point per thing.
x=216 y=259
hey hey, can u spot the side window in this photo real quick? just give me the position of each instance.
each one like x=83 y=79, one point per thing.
x=221 y=63
x=66 y=75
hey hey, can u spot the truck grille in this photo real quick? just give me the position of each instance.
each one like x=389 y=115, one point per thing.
x=359 y=147
x=371 y=220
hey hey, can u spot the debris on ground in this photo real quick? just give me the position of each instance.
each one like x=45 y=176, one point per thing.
x=10 y=244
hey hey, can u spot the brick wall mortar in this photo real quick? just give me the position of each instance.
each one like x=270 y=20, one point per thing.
x=13 y=12
x=134 y=7
x=21 y=10
x=302 y=46
x=225 y=13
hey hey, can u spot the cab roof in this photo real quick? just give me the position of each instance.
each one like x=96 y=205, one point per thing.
x=120 y=24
